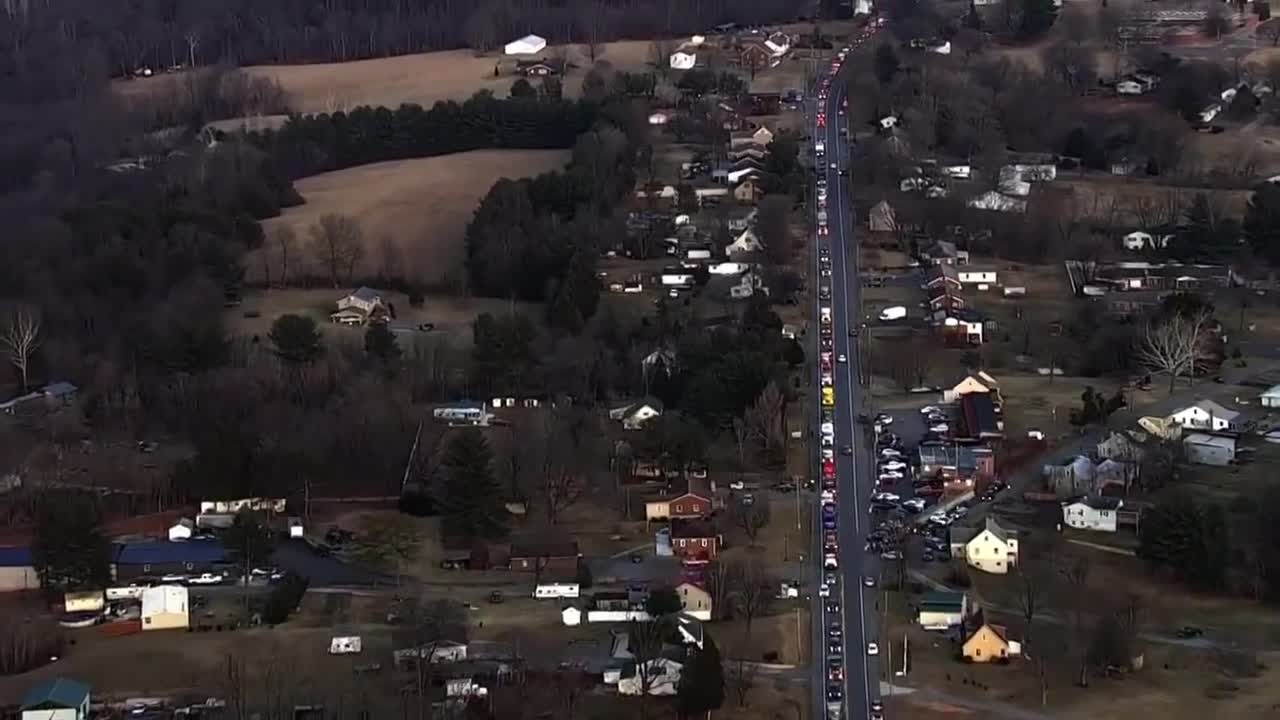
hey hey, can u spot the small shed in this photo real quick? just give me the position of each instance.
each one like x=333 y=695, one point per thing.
x=182 y=530
x=527 y=45
x=56 y=699
x=1206 y=449
x=571 y=616
x=165 y=607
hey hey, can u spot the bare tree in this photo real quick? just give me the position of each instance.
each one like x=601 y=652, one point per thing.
x=1176 y=346
x=390 y=543
x=336 y=245
x=646 y=647
x=740 y=676
x=751 y=518
x=560 y=481
x=751 y=590
x=719 y=587
x=909 y=363
x=741 y=433
x=1078 y=604
x=285 y=242
x=193 y=43
x=21 y=339
x=765 y=416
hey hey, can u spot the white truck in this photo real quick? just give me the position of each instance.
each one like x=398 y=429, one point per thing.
x=819 y=147
x=895 y=312
x=826 y=315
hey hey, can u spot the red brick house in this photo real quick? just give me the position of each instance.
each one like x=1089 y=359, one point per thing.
x=694 y=541
x=696 y=501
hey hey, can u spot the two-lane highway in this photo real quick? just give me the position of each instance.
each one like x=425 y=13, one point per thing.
x=850 y=603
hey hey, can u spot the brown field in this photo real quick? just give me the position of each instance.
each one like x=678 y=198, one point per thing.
x=1105 y=197
x=421 y=206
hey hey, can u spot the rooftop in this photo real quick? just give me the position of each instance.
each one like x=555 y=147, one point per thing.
x=1097 y=502
x=56 y=693
x=1214 y=440
x=15 y=557
x=548 y=549
x=942 y=601
x=156 y=553
x=1214 y=409
x=691 y=529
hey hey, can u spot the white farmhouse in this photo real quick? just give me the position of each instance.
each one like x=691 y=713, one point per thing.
x=1092 y=513
x=1207 y=415
x=990 y=549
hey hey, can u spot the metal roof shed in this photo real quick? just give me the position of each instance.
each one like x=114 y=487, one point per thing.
x=527 y=45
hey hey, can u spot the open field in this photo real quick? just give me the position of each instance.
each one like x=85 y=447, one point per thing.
x=1116 y=200
x=413 y=213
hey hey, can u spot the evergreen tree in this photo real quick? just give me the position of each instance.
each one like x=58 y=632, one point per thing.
x=1262 y=222
x=469 y=499
x=1037 y=17
x=702 y=680
x=886 y=63
x=1186 y=539
x=972 y=19
x=1206 y=236
x=502 y=355
x=662 y=601
x=70 y=551
x=381 y=343
x=296 y=339
x=522 y=88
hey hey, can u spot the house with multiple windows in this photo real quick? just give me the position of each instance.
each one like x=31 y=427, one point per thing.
x=991 y=548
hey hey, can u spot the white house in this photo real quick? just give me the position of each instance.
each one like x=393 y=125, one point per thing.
x=746 y=242
x=683 y=59
x=1129 y=87
x=976 y=276
x=677 y=279
x=1271 y=398
x=694 y=601
x=1092 y=513
x=942 y=610
x=182 y=530
x=979 y=382
x=662 y=676
x=357 y=307
x=989 y=549
x=633 y=416
x=1207 y=415
x=527 y=45
x=165 y=607
x=556 y=590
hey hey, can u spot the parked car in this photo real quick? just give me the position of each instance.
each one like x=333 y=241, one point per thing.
x=891 y=465
x=206 y=579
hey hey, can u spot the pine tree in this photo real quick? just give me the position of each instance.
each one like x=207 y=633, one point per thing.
x=972 y=19
x=468 y=496
x=702 y=680
x=296 y=339
x=1262 y=222
x=1037 y=17
x=69 y=551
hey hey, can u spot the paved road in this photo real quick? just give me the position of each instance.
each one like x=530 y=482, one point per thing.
x=856 y=612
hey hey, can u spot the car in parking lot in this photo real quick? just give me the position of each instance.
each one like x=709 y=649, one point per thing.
x=940 y=428
x=891 y=475
x=913 y=505
x=890 y=453
x=892 y=465
x=885 y=497
x=884 y=419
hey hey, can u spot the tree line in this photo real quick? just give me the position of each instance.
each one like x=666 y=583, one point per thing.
x=309 y=144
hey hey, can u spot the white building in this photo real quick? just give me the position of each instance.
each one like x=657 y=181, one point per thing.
x=1207 y=415
x=990 y=549
x=746 y=242
x=527 y=45
x=1138 y=240
x=1204 y=449
x=683 y=60
x=635 y=415
x=556 y=590
x=182 y=530
x=1271 y=398
x=979 y=382
x=165 y=607
x=976 y=276
x=1092 y=513
x=662 y=676
x=571 y=616
x=1129 y=87
x=56 y=699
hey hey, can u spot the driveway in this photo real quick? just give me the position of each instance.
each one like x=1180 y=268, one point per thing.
x=321 y=571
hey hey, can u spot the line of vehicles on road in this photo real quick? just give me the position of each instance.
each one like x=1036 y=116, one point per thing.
x=829 y=588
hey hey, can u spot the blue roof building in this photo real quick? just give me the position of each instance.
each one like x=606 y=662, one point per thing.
x=204 y=552
x=57 y=698
x=17 y=570
x=12 y=557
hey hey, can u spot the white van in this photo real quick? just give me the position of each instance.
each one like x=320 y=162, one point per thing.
x=345 y=645
x=897 y=312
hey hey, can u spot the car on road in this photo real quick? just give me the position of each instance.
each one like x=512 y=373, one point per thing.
x=829 y=468
x=828 y=454
x=827 y=379
x=828 y=441
x=835 y=166
x=930 y=410
x=834 y=693
x=835 y=669
x=835 y=648
x=829 y=396
x=891 y=555
x=174 y=578
x=884 y=419
x=940 y=428
x=869 y=581
x=833 y=607
x=841 y=358
x=873 y=649
x=835 y=630
x=828 y=496
x=884 y=497
x=830 y=561
x=824 y=590
x=846 y=449
x=827 y=428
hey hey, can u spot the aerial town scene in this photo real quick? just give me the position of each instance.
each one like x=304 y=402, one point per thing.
x=640 y=359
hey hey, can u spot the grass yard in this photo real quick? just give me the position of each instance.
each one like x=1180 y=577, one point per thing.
x=1116 y=199
x=452 y=316
x=413 y=213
